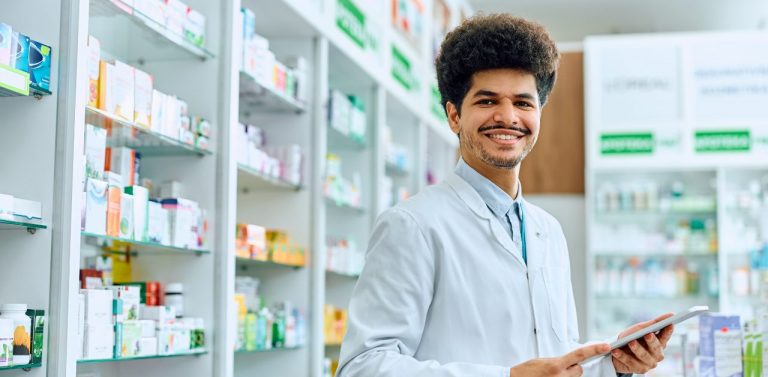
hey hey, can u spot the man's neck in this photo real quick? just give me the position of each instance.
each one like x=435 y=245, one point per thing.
x=506 y=179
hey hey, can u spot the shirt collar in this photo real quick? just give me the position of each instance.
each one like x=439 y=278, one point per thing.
x=498 y=201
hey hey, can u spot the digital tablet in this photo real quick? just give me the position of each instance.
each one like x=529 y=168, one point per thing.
x=655 y=328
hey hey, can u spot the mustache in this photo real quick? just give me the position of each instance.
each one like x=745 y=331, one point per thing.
x=503 y=127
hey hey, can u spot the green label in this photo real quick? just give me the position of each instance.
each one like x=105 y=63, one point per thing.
x=437 y=104
x=722 y=141
x=401 y=70
x=635 y=143
x=351 y=20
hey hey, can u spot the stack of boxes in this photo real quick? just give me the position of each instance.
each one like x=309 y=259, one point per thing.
x=255 y=242
x=343 y=256
x=118 y=322
x=20 y=53
x=181 y=21
x=346 y=114
x=278 y=162
x=128 y=93
x=260 y=63
x=115 y=205
x=21 y=210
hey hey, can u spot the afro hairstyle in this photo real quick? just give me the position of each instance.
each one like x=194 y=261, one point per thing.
x=495 y=41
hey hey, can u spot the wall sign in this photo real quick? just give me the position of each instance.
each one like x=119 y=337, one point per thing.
x=352 y=22
x=402 y=70
x=634 y=143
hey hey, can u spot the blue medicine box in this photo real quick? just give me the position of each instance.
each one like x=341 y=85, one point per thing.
x=39 y=59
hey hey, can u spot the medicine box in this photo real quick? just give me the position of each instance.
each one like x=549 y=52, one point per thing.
x=175 y=14
x=116 y=85
x=114 y=196
x=131 y=337
x=122 y=161
x=98 y=306
x=142 y=111
x=194 y=27
x=95 y=151
x=140 y=211
x=96 y=207
x=40 y=56
x=160 y=314
x=131 y=298
x=126 y=216
x=6 y=36
x=720 y=345
x=183 y=221
x=157 y=225
x=99 y=340
x=93 y=59
x=148 y=346
x=20 y=52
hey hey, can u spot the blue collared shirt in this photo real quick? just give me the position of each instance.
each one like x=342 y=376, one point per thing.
x=504 y=208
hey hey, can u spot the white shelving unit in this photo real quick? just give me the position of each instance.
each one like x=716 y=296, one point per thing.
x=675 y=181
x=349 y=45
x=29 y=119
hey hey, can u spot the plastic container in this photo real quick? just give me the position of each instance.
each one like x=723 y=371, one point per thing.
x=174 y=297
x=22 y=325
x=6 y=342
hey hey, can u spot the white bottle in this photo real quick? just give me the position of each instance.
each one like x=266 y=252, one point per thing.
x=22 y=325
x=6 y=342
x=174 y=297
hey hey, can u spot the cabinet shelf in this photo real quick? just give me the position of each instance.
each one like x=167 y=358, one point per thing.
x=145 y=248
x=112 y=360
x=255 y=262
x=251 y=179
x=29 y=226
x=245 y=352
x=342 y=141
x=149 y=143
x=15 y=83
x=147 y=39
x=258 y=98
x=25 y=367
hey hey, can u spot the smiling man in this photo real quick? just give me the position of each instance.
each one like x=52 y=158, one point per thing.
x=467 y=278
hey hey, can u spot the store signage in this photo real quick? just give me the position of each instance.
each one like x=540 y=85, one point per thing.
x=14 y=80
x=437 y=104
x=723 y=141
x=627 y=143
x=402 y=70
x=352 y=22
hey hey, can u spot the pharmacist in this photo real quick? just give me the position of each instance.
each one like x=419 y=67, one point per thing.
x=467 y=278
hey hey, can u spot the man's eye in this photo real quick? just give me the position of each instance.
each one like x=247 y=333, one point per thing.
x=486 y=102
x=524 y=104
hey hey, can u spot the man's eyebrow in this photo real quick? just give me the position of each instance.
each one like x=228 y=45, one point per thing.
x=490 y=93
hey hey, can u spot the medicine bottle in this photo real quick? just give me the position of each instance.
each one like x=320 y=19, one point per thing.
x=22 y=325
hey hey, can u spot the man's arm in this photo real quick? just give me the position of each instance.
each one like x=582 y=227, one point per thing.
x=389 y=308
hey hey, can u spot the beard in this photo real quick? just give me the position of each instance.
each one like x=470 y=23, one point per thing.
x=474 y=146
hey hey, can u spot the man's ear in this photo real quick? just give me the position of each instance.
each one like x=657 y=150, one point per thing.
x=453 y=117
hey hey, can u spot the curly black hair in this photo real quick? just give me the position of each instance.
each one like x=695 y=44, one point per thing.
x=495 y=41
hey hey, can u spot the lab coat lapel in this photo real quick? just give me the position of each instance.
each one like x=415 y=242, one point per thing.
x=535 y=238
x=478 y=206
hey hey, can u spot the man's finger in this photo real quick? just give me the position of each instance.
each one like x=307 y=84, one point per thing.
x=583 y=353
x=642 y=325
x=641 y=354
x=654 y=347
x=620 y=366
x=633 y=364
x=574 y=371
x=665 y=335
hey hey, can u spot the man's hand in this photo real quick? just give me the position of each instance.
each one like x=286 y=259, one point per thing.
x=642 y=355
x=564 y=366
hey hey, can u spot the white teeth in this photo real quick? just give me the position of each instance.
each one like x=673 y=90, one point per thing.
x=503 y=137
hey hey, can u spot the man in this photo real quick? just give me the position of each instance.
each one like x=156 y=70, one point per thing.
x=467 y=278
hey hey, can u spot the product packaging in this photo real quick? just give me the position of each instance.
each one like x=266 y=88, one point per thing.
x=126 y=216
x=40 y=56
x=6 y=36
x=157 y=117
x=194 y=27
x=96 y=207
x=22 y=331
x=38 y=332
x=116 y=86
x=91 y=279
x=99 y=340
x=102 y=264
x=131 y=297
x=720 y=341
x=183 y=221
x=148 y=346
x=131 y=338
x=160 y=314
x=122 y=160
x=175 y=16
x=140 y=211
x=98 y=306
x=94 y=57
x=158 y=224
x=142 y=92
x=95 y=151
x=6 y=342
x=148 y=329
x=20 y=52
x=114 y=196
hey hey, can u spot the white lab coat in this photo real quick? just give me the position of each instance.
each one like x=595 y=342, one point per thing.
x=444 y=292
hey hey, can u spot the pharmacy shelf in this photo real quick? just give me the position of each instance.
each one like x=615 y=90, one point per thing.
x=145 y=141
x=396 y=171
x=29 y=226
x=25 y=367
x=339 y=141
x=258 y=98
x=341 y=274
x=255 y=262
x=144 y=248
x=252 y=179
x=334 y=203
x=113 y=360
x=147 y=39
x=245 y=352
